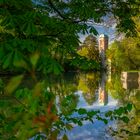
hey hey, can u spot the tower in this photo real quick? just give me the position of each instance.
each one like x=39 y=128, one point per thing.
x=103 y=46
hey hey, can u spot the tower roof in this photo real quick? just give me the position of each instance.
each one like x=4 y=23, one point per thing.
x=103 y=35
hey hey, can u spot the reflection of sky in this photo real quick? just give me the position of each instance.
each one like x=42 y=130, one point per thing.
x=96 y=105
x=96 y=131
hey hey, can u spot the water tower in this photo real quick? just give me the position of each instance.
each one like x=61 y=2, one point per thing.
x=103 y=46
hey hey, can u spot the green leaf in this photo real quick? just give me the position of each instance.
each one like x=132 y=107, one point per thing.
x=129 y=107
x=108 y=114
x=82 y=111
x=1 y=53
x=79 y=123
x=74 y=120
x=34 y=58
x=119 y=111
x=8 y=60
x=37 y=89
x=125 y=119
x=105 y=121
x=93 y=30
x=29 y=28
x=19 y=61
x=13 y=84
x=65 y=137
x=69 y=126
x=92 y=113
x=2 y=117
x=54 y=67
x=8 y=22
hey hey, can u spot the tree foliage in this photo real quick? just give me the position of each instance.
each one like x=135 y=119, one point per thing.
x=90 y=49
x=46 y=31
x=124 y=55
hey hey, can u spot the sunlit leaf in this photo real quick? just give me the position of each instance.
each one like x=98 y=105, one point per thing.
x=37 y=89
x=13 y=84
x=34 y=58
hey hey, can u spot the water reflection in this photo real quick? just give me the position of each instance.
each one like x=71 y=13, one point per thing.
x=88 y=84
x=30 y=112
x=103 y=95
x=126 y=89
x=93 y=95
x=130 y=80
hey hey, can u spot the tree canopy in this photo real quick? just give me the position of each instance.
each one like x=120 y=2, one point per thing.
x=41 y=34
x=125 y=54
x=90 y=49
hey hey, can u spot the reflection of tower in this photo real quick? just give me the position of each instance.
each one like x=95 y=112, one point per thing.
x=103 y=95
x=103 y=46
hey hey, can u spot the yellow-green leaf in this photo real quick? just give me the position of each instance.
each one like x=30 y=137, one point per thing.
x=34 y=58
x=13 y=84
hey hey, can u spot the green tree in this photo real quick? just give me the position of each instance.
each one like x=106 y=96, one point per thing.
x=125 y=54
x=38 y=35
x=89 y=49
x=118 y=59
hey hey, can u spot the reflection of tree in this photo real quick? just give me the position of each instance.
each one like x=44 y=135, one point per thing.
x=68 y=104
x=132 y=127
x=88 y=83
x=31 y=112
x=125 y=96
x=62 y=85
x=115 y=87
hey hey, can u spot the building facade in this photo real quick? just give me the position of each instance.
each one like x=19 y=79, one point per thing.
x=103 y=46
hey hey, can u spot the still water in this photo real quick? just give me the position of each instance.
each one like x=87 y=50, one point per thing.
x=93 y=98
x=29 y=112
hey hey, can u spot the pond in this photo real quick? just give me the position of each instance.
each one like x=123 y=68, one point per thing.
x=93 y=95
x=49 y=108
